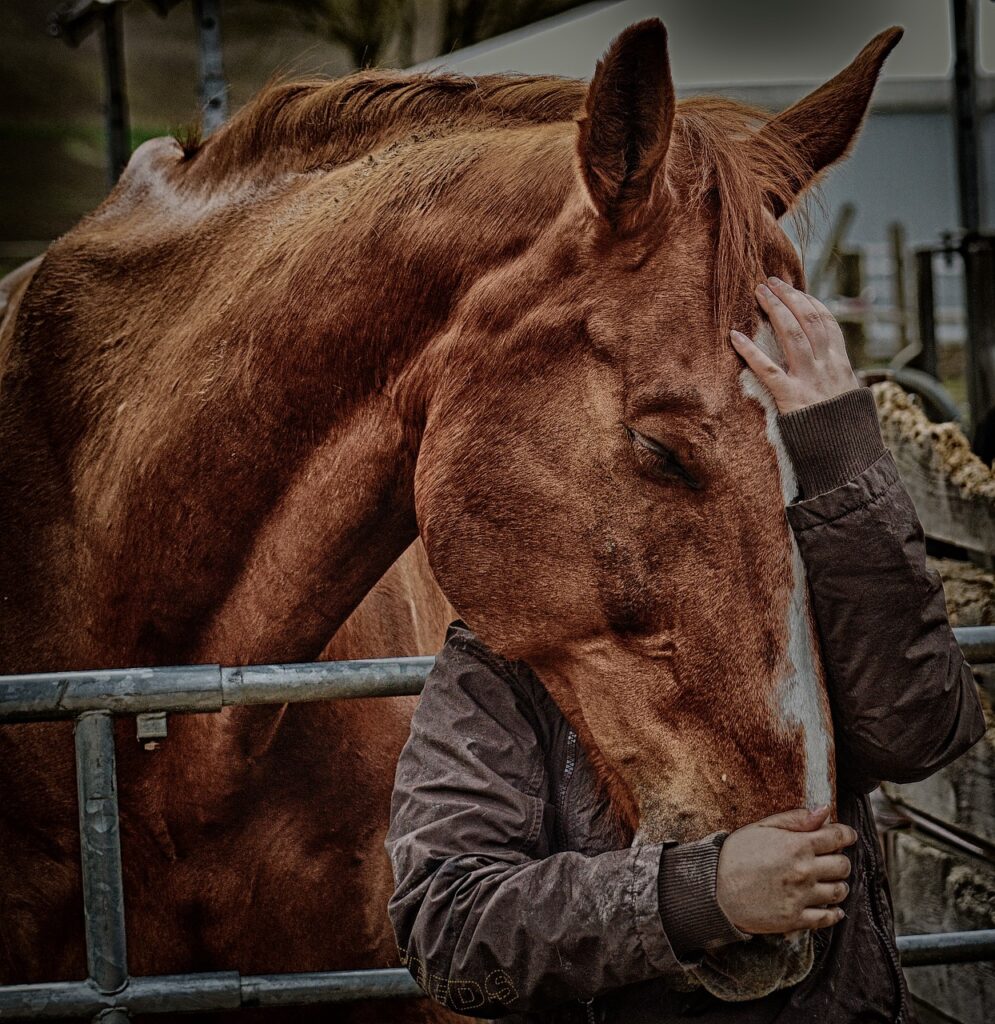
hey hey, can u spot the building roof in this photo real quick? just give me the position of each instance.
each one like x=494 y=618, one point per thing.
x=769 y=52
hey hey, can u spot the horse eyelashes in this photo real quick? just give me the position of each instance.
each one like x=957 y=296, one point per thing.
x=664 y=461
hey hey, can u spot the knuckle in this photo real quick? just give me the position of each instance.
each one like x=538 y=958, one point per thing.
x=813 y=317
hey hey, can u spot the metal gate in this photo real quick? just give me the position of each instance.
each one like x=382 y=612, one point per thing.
x=91 y=699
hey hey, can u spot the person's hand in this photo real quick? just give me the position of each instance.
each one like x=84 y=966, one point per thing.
x=818 y=366
x=783 y=873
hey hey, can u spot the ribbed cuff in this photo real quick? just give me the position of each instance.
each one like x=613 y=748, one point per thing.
x=833 y=441
x=691 y=915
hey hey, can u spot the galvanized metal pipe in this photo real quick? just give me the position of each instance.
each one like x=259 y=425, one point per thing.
x=324 y=680
x=217 y=991
x=115 y=95
x=227 y=990
x=45 y=696
x=952 y=948
x=977 y=643
x=100 y=843
x=965 y=45
x=327 y=987
x=213 y=87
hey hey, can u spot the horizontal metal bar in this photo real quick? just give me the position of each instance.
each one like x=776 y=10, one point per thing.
x=225 y=990
x=977 y=643
x=228 y=990
x=50 y=695
x=44 y=696
x=951 y=948
x=945 y=832
x=327 y=987
x=324 y=680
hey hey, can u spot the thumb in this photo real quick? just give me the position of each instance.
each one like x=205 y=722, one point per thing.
x=798 y=820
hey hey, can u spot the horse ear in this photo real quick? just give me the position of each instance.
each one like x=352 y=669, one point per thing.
x=821 y=128
x=625 y=127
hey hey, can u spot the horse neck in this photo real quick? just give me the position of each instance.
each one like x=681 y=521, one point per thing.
x=404 y=266
x=338 y=525
x=243 y=477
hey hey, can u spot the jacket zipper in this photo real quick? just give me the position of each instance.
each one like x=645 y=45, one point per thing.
x=875 y=909
x=561 y=793
x=561 y=830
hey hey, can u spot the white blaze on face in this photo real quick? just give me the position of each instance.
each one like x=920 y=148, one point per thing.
x=799 y=692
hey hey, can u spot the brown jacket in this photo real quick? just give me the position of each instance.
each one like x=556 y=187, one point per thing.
x=513 y=899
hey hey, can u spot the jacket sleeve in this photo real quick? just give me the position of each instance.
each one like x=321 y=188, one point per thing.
x=904 y=699
x=487 y=919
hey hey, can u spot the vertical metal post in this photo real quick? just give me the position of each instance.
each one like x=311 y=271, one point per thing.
x=966 y=113
x=979 y=290
x=100 y=844
x=115 y=98
x=213 y=87
x=926 y=360
x=896 y=235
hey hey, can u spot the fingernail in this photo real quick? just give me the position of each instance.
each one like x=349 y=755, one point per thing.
x=737 y=335
x=775 y=280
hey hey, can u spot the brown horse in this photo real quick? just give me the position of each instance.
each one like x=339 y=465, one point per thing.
x=491 y=312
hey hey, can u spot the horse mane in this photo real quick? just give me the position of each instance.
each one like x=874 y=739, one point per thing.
x=721 y=157
x=318 y=123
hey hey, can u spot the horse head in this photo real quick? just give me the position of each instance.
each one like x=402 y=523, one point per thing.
x=600 y=483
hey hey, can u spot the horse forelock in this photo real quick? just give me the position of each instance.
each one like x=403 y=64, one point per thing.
x=743 y=174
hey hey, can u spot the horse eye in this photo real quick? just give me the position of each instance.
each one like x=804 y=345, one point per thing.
x=666 y=462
